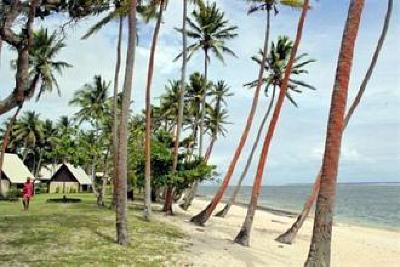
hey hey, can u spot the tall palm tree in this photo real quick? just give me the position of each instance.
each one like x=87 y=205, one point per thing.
x=210 y=30
x=205 y=214
x=121 y=173
x=41 y=60
x=161 y=4
x=289 y=236
x=179 y=119
x=320 y=247
x=29 y=131
x=92 y=100
x=274 y=68
x=243 y=236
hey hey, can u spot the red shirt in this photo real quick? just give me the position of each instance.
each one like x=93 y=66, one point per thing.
x=27 y=191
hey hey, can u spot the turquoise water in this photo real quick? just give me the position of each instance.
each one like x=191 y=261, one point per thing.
x=375 y=205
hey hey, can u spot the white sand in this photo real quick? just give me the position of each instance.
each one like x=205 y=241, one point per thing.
x=212 y=245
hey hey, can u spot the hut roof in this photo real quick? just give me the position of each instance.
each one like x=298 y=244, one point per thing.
x=14 y=169
x=79 y=174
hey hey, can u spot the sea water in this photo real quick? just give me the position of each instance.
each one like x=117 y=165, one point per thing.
x=376 y=205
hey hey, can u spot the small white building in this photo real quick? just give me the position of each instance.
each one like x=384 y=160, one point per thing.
x=14 y=172
x=69 y=179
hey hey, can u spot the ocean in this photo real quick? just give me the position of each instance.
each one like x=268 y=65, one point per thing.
x=374 y=205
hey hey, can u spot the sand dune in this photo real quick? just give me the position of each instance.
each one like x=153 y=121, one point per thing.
x=212 y=245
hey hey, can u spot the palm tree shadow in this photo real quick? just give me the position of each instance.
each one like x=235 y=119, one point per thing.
x=104 y=236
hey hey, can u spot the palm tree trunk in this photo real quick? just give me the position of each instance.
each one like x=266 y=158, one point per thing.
x=37 y=170
x=115 y=110
x=205 y=214
x=320 y=247
x=225 y=210
x=182 y=89
x=147 y=138
x=179 y=120
x=121 y=190
x=289 y=236
x=243 y=237
x=203 y=104
x=6 y=139
x=1 y=46
x=210 y=148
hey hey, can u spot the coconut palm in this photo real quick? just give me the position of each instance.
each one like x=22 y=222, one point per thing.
x=243 y=236
x=121 y=168
x=274 y=68
x=161 y=5
x=215 y=120
x=217 y=116
x=92 y=100
x=42 y=63
x=28 y=131
x=210 y=30
x=320 y=247
x=181 y=104
x=205 y=214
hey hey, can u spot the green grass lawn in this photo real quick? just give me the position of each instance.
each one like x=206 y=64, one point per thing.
x=82 y=235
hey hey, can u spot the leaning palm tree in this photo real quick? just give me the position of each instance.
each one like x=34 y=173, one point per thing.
x=320 y=247
x=290 y=235
x=161 y=5
x=267 y=5
x=274 y=68
x=243 y=236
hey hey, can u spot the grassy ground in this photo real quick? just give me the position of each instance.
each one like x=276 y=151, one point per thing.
x=81 y=235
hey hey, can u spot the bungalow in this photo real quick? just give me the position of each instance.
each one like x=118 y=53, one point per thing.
x=69 y=179
x=14 y=173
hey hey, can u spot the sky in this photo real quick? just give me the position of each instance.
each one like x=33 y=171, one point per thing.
x=371 y=144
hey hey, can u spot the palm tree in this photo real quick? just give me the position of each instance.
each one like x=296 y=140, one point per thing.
x=162 y=4
x=29 y=131
x=244 y=233
x=179 y=119
x=205 y=214
x=121 y=172
x=274 y=68
x=210 y=30
x=92 y=100
x=215 y=120
x=217 y=115
x=289 y=236
x=320 y=247
x=41 y=60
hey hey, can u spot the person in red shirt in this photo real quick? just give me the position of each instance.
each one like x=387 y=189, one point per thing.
x=27 y=193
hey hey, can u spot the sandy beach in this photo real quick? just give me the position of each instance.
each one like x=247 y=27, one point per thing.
x=212 y=245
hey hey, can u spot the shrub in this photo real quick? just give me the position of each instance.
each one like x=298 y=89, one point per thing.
x=13 y=193
x=58 y=190
x=72 y=190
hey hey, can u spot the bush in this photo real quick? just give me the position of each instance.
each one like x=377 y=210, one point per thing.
x=72 y=190
x=58 y=190
x=13 y=193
